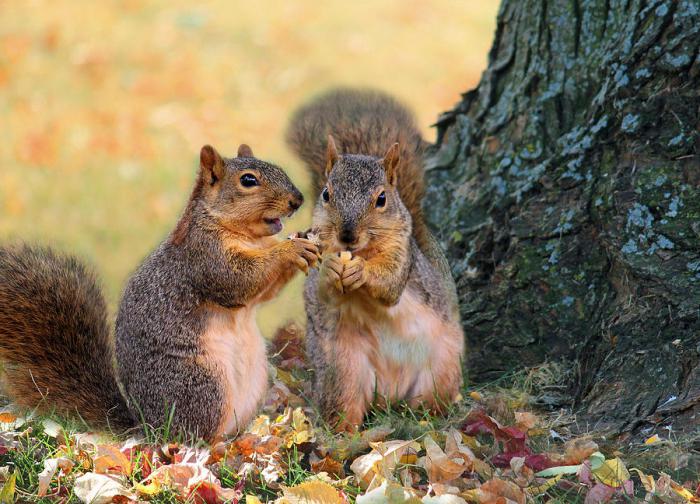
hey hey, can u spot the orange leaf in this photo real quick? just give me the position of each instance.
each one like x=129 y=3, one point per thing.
x=7 y=417
x=110 y=460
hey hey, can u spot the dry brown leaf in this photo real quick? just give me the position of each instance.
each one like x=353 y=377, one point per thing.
x=576 y=451
x=522 y=474
x=524 y=420
x=496 y=491
x=440 y=467
x=328 y=465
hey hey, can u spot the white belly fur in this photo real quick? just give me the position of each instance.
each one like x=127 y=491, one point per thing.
x=237 y=349
x=409 y=338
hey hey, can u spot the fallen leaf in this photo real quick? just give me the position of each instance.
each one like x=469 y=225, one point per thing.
x=599 y=493
x=443 y=499
x=611 y=472
x=647 y=480
x=51 y=428
x=525 y=420
x=311 y=492
x=288 y=347
x=513 y=439
x=52 y=465
x=7 y=418
x=388 y=492
x=576 y=451
x=542 y=486
x=381 y=461
x=440 y=467
x=260 y=426
x=302 y=430
x=149 y=489
x=670 y=491
x=7 y=494
x=328 y=465
x=496 y=491
x=558 y=471
x=110 y=459
x=96 y=488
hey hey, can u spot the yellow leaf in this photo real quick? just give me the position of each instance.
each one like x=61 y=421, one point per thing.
x=653 y=439
x=260 y=426
x=252 y=499
x=302 y=431
x=311 y=492
x=647 y=481
x=476 y=396
x=543 y=487
x=7 y=494
x=150 y=489
x=683 y=492
x=612 y=472
x=381 y=461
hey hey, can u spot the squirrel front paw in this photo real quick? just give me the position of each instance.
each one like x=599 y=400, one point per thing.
x=331 y=271
x=343 y=272
x=354 y=275
x=304 y=253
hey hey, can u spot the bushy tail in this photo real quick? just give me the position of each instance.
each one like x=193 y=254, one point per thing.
x=55 y=342
x=362 y=121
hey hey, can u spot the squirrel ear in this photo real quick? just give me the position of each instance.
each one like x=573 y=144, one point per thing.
x=211 y=164
x=331 y=155
x=244 y=150
x=390 y=161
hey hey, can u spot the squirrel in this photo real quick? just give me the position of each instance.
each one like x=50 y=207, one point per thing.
x=383 y=321
x=187 y=350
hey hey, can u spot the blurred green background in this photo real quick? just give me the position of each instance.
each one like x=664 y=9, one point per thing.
x=105 y=104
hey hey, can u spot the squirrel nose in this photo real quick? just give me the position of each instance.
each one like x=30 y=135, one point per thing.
x=348 y=235
x=296 y=202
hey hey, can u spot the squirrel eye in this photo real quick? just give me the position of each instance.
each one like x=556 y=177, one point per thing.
x=249 y=180
x=324 y=194
x=381 y=200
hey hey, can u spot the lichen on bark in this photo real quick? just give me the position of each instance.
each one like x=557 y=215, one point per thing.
x=566 y=191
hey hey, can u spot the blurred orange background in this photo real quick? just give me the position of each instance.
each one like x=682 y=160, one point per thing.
x=105 y=104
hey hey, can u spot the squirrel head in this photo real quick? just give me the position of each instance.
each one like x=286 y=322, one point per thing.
x=359 y=206
x=244 y=194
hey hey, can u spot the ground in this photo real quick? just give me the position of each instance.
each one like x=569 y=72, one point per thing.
x=493 y=446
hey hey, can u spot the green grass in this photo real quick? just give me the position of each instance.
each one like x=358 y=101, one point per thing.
x=677 y=457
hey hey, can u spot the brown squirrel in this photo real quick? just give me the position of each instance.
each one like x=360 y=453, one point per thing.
x=382 y=316
x=188 y=350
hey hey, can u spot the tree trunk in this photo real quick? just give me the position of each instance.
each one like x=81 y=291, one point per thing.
x=566 y=191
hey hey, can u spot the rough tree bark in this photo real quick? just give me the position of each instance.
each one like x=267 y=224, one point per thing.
x=566 y=190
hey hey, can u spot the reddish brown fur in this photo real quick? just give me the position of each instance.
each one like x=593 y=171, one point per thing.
x=363 y=122
x=41 y=291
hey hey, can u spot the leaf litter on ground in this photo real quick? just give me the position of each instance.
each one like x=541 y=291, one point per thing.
x=490 y=449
